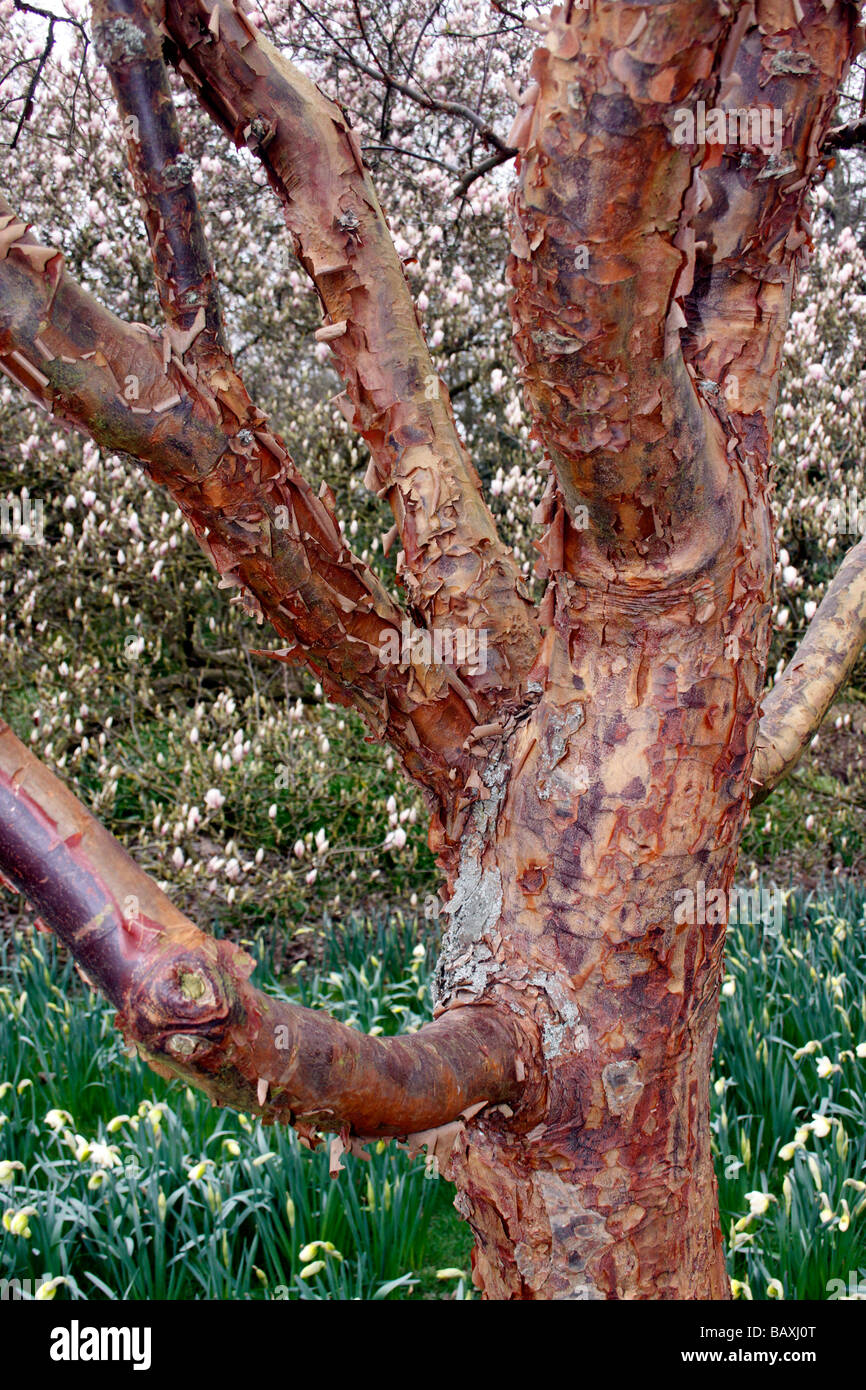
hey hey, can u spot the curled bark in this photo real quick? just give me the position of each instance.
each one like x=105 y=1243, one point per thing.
x=186 y=1002
x=601 y=216
x=256 y=518
x=795 y=707
x=751 y=228
x=455 y=567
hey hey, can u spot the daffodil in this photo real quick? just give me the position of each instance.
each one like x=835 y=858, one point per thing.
x=8 y=1169
x=826 y=1067
x=197 y=1172
x=759 y=1202
x=450 y=1274
x=740 y=1289
x=775 y=1289
x=58 y=1119
x=806 y=1050
x=17 y=1223
x=311 y=1270
x=232 y=1148
x=104 y=1155
x=820 y=1126
x=46 y=1291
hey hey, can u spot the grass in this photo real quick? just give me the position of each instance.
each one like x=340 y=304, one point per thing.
x=126 y=1187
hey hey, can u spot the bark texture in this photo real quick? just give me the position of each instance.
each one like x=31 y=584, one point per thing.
x=603 y=763
x=185 y=1001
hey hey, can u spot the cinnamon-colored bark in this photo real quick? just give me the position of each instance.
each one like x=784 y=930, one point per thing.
x=455 y=566
x=257 y=519
x=596 y=781
x=186 y=1002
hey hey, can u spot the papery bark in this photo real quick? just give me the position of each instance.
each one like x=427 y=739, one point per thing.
x=186 y=1003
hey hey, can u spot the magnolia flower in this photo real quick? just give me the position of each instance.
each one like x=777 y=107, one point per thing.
x=214 y=799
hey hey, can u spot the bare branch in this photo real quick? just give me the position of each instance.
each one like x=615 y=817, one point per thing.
x=798 y=702
x=186 y=1002
x=751 y=226
x=491 y=162
x=129 y=46
x=457 y=570
x=604 y=195
x=255 y=516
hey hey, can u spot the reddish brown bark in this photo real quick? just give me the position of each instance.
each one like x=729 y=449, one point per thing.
x=600 y=770
x=186 y=1002
x=456 y=569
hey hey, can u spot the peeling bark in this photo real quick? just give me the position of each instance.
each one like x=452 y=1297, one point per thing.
x=599 y=773
x=456 y=569
x=186 y=1003
x=257 y=519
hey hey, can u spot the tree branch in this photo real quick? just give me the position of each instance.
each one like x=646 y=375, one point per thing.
x=255 y=516
x=846 y=137
x=457 y=570
x=130 y=48
x=798 y=702
x=186 y=1002
x=751 y=229
x=603 y=200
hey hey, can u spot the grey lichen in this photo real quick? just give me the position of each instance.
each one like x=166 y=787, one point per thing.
x=119 y=41
x=788 y=60
x=466 y=962
x=178 y=171
x=565 y=1028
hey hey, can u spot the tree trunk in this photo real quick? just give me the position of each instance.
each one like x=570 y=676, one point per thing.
x=622 y=791
x=591 y=787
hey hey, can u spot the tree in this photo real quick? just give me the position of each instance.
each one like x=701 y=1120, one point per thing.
x=593 y=772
